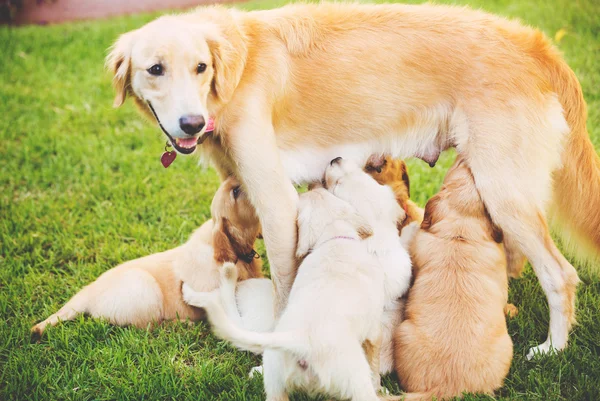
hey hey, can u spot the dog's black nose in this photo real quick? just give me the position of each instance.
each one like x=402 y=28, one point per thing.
x=191 y=124
x=335 y=161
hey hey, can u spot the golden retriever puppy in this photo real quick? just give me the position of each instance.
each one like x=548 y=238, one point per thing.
x=454 y=338
x=394 y=173
x=273 y=95
x=377 y=203
x=148 y=290
x=335 y=307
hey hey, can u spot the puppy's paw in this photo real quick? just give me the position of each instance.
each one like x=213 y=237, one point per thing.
x=408 y=233
x=510 y=310
x=229 y=272
x=542 y=349
x=257 y=370
x=195 y=298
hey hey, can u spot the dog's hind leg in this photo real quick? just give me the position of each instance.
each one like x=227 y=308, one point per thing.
x=274 y=375
x=372 y=348
x=73 y=308
x=512 y=157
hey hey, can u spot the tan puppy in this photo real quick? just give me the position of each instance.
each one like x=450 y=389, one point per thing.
x=148 y=290
x=292 y=88
x=454 y=338
x=394 y=173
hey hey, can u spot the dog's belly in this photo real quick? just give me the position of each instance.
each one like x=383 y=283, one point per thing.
x=306 y=162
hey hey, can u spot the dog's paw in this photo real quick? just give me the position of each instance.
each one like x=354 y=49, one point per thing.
x=510 y=310
x=542 y=349
x=194 y=298
x=408 y=233
x=229 y=272
x=257 y=370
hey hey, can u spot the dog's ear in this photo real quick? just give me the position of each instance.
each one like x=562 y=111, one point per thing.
x=497 y=234
x=405 y=178
x=362 y=226
x=229 y=61
x=429 y=210
x=376 y=162
x=118 y=62
x=222 y=246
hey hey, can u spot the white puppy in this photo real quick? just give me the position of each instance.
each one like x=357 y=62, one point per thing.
x=327 y=337
x=377 y=203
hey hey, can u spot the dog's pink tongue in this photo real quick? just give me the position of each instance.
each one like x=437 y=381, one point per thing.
x=187 y=142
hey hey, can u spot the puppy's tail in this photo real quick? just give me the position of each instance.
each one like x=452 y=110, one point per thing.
x=246 y=340
x=577 y=183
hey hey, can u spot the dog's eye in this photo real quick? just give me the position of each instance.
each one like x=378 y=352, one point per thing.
x=156 y=69
x=236 y=192
x=201 y=68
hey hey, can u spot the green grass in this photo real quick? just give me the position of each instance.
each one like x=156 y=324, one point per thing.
x=82 y=190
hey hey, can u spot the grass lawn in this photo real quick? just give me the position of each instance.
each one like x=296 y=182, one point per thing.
x=82 y=190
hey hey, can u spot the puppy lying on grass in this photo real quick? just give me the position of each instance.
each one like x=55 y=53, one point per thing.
x=148 y=290
x=454 y=338
x=328 y=334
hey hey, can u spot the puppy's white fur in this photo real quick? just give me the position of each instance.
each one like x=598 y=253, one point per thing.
x=346 y=180
x=335 y=306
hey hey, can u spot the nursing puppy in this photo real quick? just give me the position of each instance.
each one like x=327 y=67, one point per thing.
x=377 y=203
x=148 y=290
x=326 y=339
x=394 y=173
x=454 y=338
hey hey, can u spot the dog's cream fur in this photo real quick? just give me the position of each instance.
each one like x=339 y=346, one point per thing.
x=377 y=203
x=334 y=309
x=148 y=290
x=294 y=87
x=454 y=338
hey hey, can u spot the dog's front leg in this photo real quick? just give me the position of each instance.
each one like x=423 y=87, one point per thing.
x=255 y=153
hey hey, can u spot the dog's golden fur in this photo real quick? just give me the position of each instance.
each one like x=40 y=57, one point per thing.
x=291 y=88
x=454 y=338
x=148 y=290
x=394 y=173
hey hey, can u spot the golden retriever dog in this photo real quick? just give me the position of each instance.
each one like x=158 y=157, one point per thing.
x=326 y=340
x=148 y=290
x=454 y=338
x=394 y=173
x=284 y=91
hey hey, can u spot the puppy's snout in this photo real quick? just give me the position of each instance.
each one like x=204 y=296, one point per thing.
x=335 y=161
x=191 y=124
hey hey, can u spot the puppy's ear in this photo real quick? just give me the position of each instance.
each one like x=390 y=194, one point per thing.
x=376 y=162
x=118 y=62
x=362 y=226
x=497 y=234
x=429 y=211
x=229 y=61
x=315 y=185
x=405 y=178
x=222 y=246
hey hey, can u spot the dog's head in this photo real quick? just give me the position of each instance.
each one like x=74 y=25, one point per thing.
x=459 y=200
x=180 y=70
x=323 y=216
x=390 y=172
x=235 y=223
x=346 y=180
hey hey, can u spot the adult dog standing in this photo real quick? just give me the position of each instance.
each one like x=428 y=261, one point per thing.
x=291 y=88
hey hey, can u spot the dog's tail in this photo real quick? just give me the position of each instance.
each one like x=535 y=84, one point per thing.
x=576 y=203
x=246 y=340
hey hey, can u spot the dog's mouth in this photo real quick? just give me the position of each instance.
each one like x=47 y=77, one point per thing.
x=185 y=146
